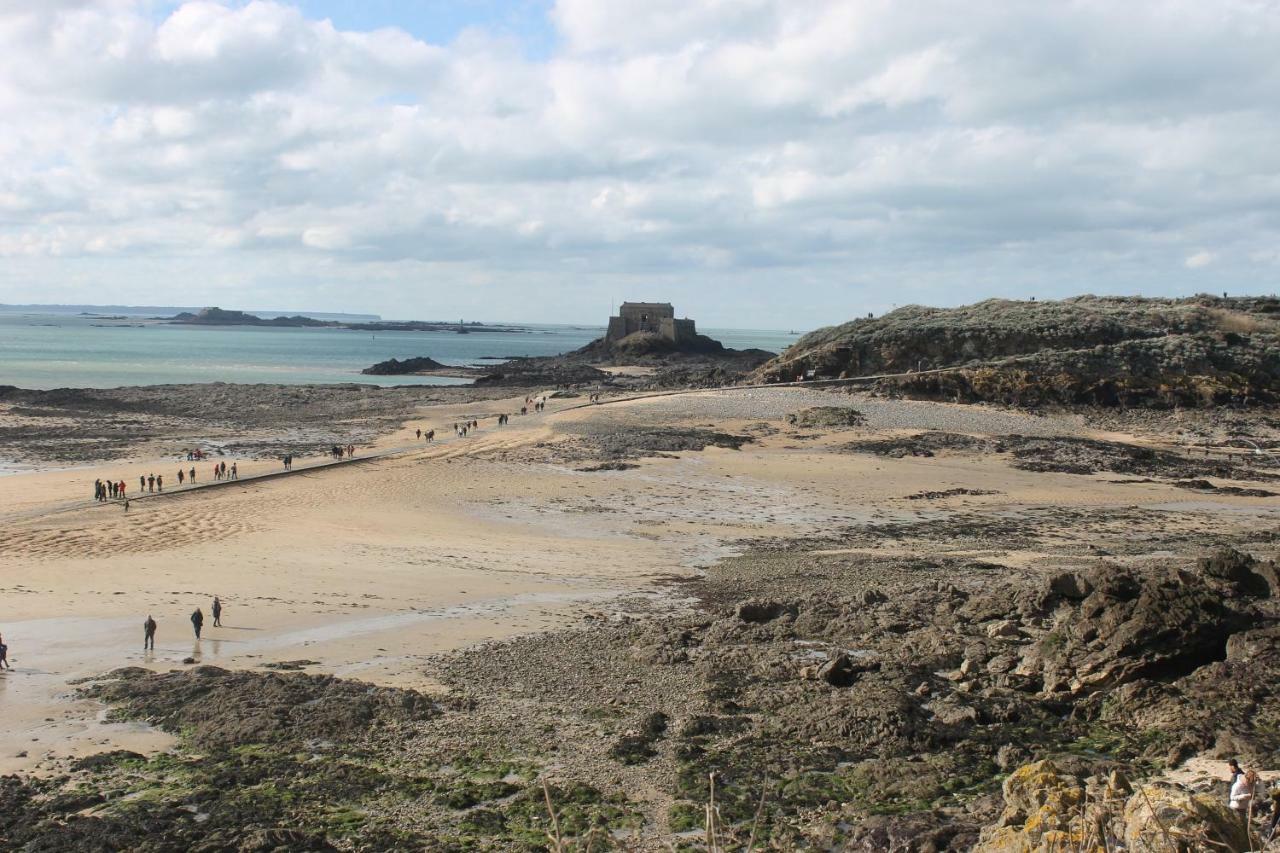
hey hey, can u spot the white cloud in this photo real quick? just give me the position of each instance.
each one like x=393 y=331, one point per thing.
x=758 y=161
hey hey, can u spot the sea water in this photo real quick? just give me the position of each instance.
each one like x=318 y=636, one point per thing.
x=43 y=350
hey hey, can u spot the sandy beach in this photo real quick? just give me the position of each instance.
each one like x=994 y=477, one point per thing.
x=365 y=568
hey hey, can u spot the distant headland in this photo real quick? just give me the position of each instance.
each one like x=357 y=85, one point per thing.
x=223 y=317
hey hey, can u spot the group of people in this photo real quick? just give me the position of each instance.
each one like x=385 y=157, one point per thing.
x=429 y=435
x=465 y=427
x=196 y=455
x=338 y=452
x=112 y=490
x=197 y=624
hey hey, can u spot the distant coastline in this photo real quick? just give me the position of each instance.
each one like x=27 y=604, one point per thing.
x=222 y=317
x=151 y=312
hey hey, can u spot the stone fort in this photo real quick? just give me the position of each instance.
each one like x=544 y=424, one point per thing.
x=657 y=318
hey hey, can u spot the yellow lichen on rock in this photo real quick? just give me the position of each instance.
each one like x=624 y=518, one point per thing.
x=1166 y=817
x=1042 y=808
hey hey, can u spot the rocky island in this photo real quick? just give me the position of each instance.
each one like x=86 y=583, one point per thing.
x=645 y=335
x=221 y=317
x=402 y=367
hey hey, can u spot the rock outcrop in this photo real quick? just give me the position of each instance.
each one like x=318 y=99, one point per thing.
x=833 y=417
x=1110 y=627
x=1162 y=816
x=545 y=372
x=1042 y=811
x=1046 y=810
x=1086 y=350
x=403 y=367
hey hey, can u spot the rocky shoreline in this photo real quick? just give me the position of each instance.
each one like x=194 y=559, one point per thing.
x=985 y=660
x=70 y=425
x=871 y=707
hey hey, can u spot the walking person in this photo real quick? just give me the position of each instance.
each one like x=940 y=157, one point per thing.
x=4 y=655
x=142 y=484
x=217 y=612
x=192 y=475
x=160 y=482
x=149 y=634
x=235 y=474
x=151 y=483
x=197 y=621
x=182 y=475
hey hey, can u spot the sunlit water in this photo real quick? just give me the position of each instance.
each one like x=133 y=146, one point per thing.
x=68 y=351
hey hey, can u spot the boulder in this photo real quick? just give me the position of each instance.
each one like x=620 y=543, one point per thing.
x=1041 y=812
x=1248 y=645
x=1005 y=628
x=1242 y=572
x=842 y=671
x=871 y=597
x=1162 y=816
x=1070 y=585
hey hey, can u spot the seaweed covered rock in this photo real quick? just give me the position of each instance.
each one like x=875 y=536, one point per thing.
x=221 y=708
x=835 y=417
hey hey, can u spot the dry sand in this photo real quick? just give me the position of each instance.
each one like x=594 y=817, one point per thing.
x=367 y=569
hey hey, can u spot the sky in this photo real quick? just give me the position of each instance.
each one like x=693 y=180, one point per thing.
x=759 y=163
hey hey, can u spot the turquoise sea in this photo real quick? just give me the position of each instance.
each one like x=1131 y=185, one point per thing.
x=68 y=350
